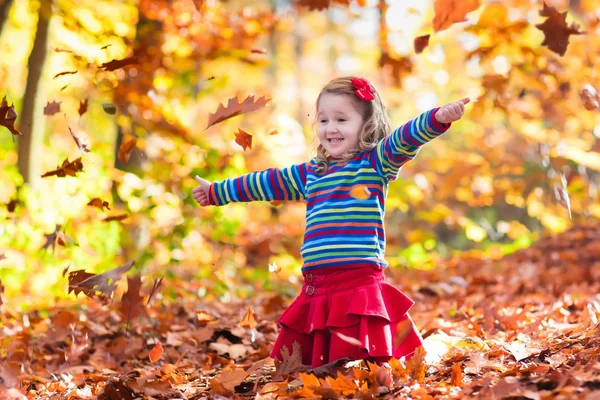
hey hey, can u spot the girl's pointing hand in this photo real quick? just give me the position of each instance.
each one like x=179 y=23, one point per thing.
x=452 y=111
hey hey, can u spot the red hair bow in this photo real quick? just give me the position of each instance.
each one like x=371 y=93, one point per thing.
x=363 y=89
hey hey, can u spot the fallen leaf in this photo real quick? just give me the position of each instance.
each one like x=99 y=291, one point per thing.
x=52 y=108
x=589 y=97
x=230 y=378
x=360 y=192
x=556 y=31
x=156 y=353
x=68 y=168
x=457 y=376
x=420 y=43
x=64 y=73
x=132 y=303
x=291 y=362
x=248 y=321
x=243 y=139
x=342 y=385
x=83 y=106
x=97 y=202
x=117 y=64
x=203 y=317
x=8 y=116
x=127 y=145
x=448 y=12
x=234 y=108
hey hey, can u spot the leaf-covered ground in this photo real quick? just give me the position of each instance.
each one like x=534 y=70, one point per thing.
x=523 y=326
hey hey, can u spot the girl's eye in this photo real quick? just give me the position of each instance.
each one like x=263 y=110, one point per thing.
x=341 y=120
x=322 y=121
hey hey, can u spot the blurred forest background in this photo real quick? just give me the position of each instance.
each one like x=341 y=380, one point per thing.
x=90 y=79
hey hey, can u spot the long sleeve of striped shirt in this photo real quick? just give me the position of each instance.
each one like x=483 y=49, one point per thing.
x=271 y=184
x=402 y=145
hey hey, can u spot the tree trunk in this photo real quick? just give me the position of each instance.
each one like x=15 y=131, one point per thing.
x=5 y=6
x=31 y=143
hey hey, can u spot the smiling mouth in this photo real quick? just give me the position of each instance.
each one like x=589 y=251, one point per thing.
x=335 y=140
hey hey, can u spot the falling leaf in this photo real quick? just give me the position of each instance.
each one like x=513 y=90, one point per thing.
x=58 y=50
x=83 y=106
x=313 y=4
x=81 y=140
x=63 y=239
x=118 y=217
x=248 y=321
x=97 y=202
x=51 y=238
x=2 y=256
x=116 y=64
x=360 y=192
x=75 y=278
x=234 y=108
x=105 y=282
x=8 y=116
x=243 y=139
x=64 y=87
x=420 y=43
x=127 y=145
x=132 y=303
x=155 y=286
x=109 y=108
x=348 y=339
x=52 y=108
x=68 y=168
x=274 y=268
x=1 y=291
x=156 y=353
x=105 y=47
x=230 y=378
x=66 y=269
x=64 y=73
x=562 y=195
x=589 y=97
x=273 y=132
x=259 y=51
x=448 y=12
x=556 y=31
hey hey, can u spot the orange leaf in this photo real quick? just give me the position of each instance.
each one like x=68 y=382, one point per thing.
x=556 y=31
x=291 y=362
x=52 y=108
x=8 y=116
x=457 y=376
x=66 y=169
x=243 y=139
x=249 y=321
x=448 y=12
x=234 y=108
x=116 y=64
x=156 y=353
x=360 y=192
x=97 y=202
x=127 y=145
x=342 y=385
x=420 y=43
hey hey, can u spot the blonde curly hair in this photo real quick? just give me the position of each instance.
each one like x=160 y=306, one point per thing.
x=376 y=127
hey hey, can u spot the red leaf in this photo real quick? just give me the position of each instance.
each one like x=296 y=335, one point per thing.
x=243 y=139
x=132 y=303
x=66 y=169
x=52 y=108
x=556 y=31
x=117 y=64
x=127 y=145
x=83 y=106
x=420 y=43
x=448 y=12
x=64 y=73
x=8 y=116
x=234 y=108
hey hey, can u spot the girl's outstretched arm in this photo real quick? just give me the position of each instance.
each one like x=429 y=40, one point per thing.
x=268 y=185
x=403 y=144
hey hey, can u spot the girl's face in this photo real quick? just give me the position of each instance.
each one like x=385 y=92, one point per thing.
x=340 y=124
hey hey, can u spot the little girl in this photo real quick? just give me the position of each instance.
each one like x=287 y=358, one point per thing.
x=345 y=308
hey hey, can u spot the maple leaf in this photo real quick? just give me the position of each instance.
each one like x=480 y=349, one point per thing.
x=448 y=12
x=234 y=108
x=291 y=362
x=556 y=31
x=156 y=353
x=116 y=64
x=132 y=303
x=97 y=202
x=243 y=139
x=248 y=321
x=155 y=286
x=104 y=283
x=83 y=106
x=64 y=73
x=51 y=238
x=420 y=43
x=8 y=116
x=52 y=108
x=68 y=168
x=127 y=145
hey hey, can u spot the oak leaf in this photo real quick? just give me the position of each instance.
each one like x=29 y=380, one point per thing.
x=243 y=139
x=127 y=145
x=156 y=353
x=420 y=43
x=132 y=303
x=556 y=31
x=52 y=108
x=104 y=283
x=248 y=321
x=68 y=168
x=117 y=64
x=83 y=106
x=234 y=108
x=448 y=12
x=97 y=202
x=8 y=116
x=290 y=363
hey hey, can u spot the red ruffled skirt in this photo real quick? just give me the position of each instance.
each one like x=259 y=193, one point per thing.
x=348 y=313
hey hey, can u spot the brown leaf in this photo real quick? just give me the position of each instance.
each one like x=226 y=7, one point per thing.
x=556 y=31
x=67 y=168
x=291 y=362
x=75 y=278
x=2 y=256
x=105 y=47
x=82 y=140
x=448 y=12
x=589 y=97
x=64 y=73
x=104 y=283
x=51 y=238
x=8 y=116
x=127 y=145
x=116 y=64
x=313 y=4
x=249 y=321
x=132 y=303
x=234 y=108
x=97 y=202
x=52 y=108
x=156 y=353
x=118 y=217
x=83 y=106
x=1 y=291
x=109 y=108
x=420 y=43
x=155 y=287
x=243 y=139
x=229 y=379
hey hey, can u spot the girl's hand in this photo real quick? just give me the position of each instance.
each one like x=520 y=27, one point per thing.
x=452 y=111
x=200 y=193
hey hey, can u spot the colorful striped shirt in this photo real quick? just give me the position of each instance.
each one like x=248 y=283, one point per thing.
x=343 y=229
